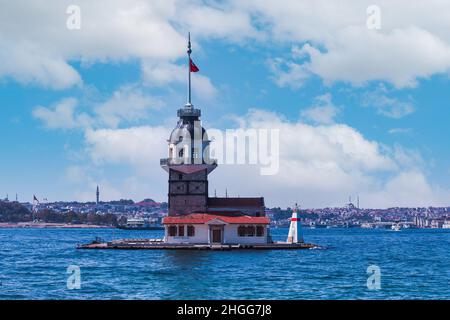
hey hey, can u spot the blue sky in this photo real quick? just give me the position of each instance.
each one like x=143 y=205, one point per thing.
x=95 y=105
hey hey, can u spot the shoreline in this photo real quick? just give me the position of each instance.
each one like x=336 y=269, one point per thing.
x=44 y=225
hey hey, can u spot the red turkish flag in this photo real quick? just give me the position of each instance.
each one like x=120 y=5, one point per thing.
x=192 y=66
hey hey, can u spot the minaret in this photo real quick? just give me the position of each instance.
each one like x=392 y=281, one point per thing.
x=97 y=196
x=188 y=162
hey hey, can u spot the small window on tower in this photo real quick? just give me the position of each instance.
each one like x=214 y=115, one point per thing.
x=195 y=153
x=181 y=153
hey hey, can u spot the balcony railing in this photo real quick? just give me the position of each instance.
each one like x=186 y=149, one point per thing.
x=169 y=162
x=189 y=112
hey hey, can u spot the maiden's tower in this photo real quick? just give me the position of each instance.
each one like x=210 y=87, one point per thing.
x=193 y=216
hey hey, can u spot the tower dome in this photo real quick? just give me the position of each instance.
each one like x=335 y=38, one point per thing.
x=188 y=141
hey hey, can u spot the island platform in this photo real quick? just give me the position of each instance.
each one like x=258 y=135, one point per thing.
x=159 y=244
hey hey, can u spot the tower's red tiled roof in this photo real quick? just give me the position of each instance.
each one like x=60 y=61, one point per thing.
x=202 y=218
x=236 y=202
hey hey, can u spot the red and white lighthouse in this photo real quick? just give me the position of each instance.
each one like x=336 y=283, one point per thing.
x=295 y=234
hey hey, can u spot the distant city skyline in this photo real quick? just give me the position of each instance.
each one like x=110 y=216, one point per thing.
x=361 y=111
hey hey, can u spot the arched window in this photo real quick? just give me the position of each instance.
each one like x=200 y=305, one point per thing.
x=181 y=153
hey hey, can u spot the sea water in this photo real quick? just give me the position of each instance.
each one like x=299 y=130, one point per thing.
x=412 y=264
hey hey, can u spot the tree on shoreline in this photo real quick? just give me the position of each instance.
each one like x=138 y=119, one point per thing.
x=13 y=212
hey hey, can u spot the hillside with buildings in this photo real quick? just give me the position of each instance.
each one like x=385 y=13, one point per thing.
x=117 y=212
x=352 y=216
x=110 y=213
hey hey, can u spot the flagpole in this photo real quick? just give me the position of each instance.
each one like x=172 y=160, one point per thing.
x=189 y=51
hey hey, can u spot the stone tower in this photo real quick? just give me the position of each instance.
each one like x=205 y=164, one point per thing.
x=188 y=162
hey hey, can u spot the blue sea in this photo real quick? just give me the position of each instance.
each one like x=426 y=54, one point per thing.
x=413 y=264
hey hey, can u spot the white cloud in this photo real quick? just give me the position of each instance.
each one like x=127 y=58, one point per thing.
x=413 y=43
x=203 y=87
x=219 y=20
x=161 y=74
x=400 y=130
x=39 y=48
x=127 y=104
x=408 y=159
x=36 y=45
x=76 y=174
x=323 y=111
x=288 y=73
x=358 y=55
x=320 y=165
x=141 y=146
x=387 y=106
x=136 y=151
x=30 y=66
x=85 y=179
x=62 y=115
x=408 y=189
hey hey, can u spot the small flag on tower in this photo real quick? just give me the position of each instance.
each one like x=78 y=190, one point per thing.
x=192 y=66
